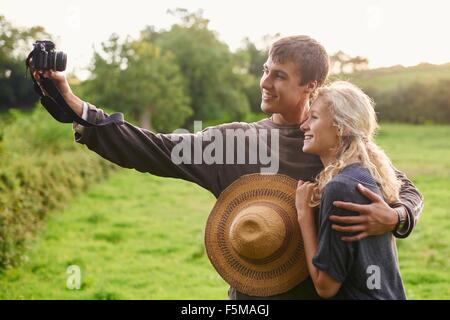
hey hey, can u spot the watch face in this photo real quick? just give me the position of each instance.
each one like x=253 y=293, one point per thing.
x=402 y=218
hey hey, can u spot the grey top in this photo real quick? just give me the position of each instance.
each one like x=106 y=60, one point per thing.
x=367 y=269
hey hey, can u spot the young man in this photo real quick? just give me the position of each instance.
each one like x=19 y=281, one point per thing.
x=295 y=68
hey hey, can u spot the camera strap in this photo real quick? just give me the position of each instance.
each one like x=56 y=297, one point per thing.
x=58 y=108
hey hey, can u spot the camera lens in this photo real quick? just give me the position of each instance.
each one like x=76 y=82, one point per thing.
x=56 y=60
x=60 y=61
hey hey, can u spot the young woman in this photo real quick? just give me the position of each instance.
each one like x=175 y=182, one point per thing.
x=340 y=129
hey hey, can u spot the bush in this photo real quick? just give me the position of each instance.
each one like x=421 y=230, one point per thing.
x=417 y=103
x=41 y=167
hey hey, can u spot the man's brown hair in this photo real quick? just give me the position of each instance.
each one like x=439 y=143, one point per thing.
x=308 y=54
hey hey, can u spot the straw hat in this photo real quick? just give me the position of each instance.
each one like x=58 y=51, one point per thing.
x=252 y=236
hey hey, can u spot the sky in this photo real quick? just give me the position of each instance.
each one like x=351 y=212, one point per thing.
x=386 y=32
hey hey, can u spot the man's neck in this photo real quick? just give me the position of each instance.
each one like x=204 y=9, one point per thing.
x=292 y=118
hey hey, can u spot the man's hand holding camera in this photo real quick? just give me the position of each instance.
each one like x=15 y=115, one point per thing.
x=60 y=81
x=47 y=63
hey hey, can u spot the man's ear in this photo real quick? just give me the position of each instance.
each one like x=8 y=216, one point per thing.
x=311 y=86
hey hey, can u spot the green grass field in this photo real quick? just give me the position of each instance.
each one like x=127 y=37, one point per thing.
x=136 y=236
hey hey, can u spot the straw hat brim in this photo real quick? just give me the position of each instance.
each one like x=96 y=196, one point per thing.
x=257 y=278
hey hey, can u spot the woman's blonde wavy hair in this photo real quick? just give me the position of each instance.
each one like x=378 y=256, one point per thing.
x=354 y=116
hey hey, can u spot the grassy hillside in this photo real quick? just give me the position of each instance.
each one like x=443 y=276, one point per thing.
x=385 y=79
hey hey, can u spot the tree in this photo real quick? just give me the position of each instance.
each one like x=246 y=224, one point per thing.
x=344 y=63
x=253 y=61
x=214 y=84
x=15 y=44
x=136 y=77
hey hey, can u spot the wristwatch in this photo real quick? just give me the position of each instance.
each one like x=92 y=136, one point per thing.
x=401 y=214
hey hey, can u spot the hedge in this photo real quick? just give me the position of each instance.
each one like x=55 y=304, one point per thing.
x=41 y=168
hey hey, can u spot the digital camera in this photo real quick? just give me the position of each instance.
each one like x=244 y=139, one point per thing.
x=44 y=56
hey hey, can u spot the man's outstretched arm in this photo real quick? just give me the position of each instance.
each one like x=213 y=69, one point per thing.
x=132 y=147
